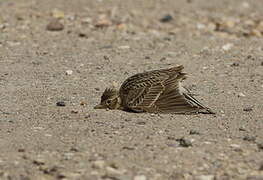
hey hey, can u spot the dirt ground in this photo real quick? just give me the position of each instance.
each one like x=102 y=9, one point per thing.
x=94 y=44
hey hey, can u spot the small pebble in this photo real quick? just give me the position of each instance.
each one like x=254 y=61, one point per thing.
x=260 y=145
x=74 y=111
x=113 y=171
x=163 y=59
x=128 y=148
x=235 y=64
x=194 y=132
x=39 y=162
x=249 y=138
x=184 y=142
x=99 y=164
x=82 y=35
x=247 y=109
x=236 y=147
x=103 y=23
x=241 y=94
x=86 y=20
x=141 y=122
x=242 y=129
x=166 y=18
x=87 y=116
x=57 y=13
x=106 y=58
x=147 y=57
x=205 y=177
x=55 y=25
x=200 y=26
x=140 y=177
x=82 y=103
x=124 y=47
x=21 y=150
x=245 y=5
x=227 y=47
x=61 y=103
x=69 y=72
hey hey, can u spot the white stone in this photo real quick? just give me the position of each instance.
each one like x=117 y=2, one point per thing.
x=99 y=164
x=205 y=177
x=69 y=72
x=241 y=94
x=140 y=177
x=124 y=47
x=227 y=46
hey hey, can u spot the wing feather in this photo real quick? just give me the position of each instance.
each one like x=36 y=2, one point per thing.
x=159 y=91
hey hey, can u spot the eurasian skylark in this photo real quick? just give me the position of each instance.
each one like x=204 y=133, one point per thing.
x=158 y=91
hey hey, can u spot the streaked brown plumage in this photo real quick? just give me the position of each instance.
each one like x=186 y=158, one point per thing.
x=157 y=91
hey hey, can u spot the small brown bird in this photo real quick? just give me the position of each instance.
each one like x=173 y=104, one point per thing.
x=158 y=91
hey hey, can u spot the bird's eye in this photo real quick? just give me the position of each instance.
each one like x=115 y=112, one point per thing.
x=108 y=101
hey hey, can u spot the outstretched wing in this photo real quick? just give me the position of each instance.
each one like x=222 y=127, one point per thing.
x=178 y=100
x=141 y=91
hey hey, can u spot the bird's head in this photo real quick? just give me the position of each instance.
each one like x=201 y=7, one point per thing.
x=109 y=99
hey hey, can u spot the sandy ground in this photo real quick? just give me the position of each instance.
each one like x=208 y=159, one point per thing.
x=98 y=43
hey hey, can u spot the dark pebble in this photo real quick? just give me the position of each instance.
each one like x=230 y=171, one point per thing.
x=235 y=64
x=194 y=132
x=167 y=39
x=171 y=138
x=55 y=25
x=82 y=35
x=61 y=103
x=87 y=116
x=262 y=63
x=184 y=142
x=106 y=58
x=73 y=149
x=260 y=145
x=248 y=109
x=141 y=123
x=128 y=148
x=163 y=59
x=38 y=163
x=242 y=129
x=21 y=150
x=147 y=57
x=166 y=18
x=249 y=56
x=261 y=167
x=249 y=138
x=74 y=111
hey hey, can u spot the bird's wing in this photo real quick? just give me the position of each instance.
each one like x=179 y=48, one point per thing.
x=178 y=100
x=159 y=91
x=145 y=79
x=144 y=97
x=142 y=90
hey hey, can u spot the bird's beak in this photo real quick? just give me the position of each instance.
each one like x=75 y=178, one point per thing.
x=99 y=106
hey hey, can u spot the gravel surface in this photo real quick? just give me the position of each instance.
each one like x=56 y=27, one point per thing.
x=58 y=56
